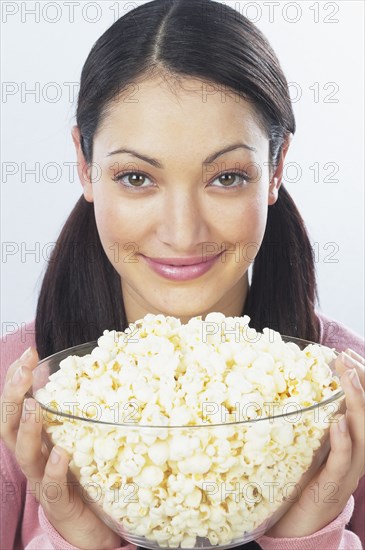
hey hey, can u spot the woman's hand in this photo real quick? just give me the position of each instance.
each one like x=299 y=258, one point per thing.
x=47 y=473
x=326 y=495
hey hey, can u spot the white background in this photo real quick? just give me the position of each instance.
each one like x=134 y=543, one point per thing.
x=320 y=47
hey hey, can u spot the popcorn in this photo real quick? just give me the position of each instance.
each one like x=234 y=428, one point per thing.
x=158 y=453
x=193 y=432
x=150 y=476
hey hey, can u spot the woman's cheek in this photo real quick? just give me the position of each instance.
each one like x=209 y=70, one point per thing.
x=112 y=228
x=123 y=232
x=247 y=221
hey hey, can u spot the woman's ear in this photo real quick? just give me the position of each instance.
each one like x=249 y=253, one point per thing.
x=83 y=169
x=278 y=174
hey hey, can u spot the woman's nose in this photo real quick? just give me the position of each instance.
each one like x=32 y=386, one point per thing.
x=182 y=224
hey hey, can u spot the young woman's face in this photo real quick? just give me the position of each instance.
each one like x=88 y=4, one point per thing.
x=187 y=202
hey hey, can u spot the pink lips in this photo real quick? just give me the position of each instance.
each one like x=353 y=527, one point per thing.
x=181 y=269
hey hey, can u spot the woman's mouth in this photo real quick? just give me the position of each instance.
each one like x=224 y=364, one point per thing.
x=181 y=269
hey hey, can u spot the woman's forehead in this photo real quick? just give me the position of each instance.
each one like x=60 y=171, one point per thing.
x=185 y=105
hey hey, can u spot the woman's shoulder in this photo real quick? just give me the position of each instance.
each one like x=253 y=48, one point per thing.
x=16 y=340
x=335 y=334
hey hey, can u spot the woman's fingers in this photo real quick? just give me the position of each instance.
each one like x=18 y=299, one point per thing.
x=60 y=500
x=59 y=497
x=355 y=356
x=18 y=381
x=17 y=363
x=351 y=360
x=325 y=491
x=28 y=448
x=355 y=414
x=29 y=358
x=66 y=510
x=338 y=463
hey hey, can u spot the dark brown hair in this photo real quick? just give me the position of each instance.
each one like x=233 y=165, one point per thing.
x=81 y=291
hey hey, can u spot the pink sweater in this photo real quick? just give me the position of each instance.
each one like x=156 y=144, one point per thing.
x=25 y=526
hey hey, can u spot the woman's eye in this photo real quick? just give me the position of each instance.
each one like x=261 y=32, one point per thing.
x=131 y=179
x=229 y=178
x=135 y=180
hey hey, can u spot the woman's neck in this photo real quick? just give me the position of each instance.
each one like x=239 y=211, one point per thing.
x=231 y=304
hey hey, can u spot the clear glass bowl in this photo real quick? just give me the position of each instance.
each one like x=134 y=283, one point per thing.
x=211 y=485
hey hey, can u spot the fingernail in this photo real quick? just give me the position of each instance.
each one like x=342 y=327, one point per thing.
x=54 y=457
x=347 y=360
x=342 y=424
x=355 y=379
x=17 y=376
x=26 y=353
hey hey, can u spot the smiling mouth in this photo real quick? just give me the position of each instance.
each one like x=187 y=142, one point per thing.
x=183 y=262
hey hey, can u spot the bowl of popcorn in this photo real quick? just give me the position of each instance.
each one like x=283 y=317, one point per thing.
x=193 y=435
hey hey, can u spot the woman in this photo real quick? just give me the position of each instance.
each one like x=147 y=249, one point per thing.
x=183 y=124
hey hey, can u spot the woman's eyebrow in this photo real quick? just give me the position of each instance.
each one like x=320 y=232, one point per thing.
x=158 y=164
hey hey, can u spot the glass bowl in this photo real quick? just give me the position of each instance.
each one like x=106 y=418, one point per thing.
x=210 y=485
